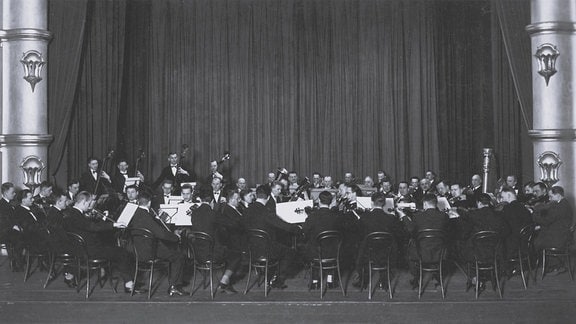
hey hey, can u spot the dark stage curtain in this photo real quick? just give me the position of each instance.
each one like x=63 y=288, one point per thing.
x=310 y=85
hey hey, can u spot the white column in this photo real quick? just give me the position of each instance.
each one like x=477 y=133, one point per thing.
x=24 y=120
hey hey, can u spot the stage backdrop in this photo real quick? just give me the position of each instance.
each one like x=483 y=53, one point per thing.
x=310 y=85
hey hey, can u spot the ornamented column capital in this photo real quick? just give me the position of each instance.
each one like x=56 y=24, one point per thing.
x=25 y=34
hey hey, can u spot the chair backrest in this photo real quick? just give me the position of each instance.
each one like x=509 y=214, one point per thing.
x=485 y=245
x=202 y=246
x=526 y=237
x=78 y=243
x=431 y=244
x=379 y=244
x=144 y=243
x=259 y=243
x=329 y=243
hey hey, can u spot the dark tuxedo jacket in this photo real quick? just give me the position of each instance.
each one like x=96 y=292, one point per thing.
x=92 y=232
x=55 y=224
x=34 y=229
x=483 y=219
x=88 y=183
x=232 y=226
x=177 y=179
x=427 y=219
x=517 y=217
x=145 y=219
x=158 y=200
x=7 y=216
x=118 y=181
x=259 y=217
x=318 y=221
x=555 y=219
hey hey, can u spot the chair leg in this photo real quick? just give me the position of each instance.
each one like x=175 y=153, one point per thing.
x=87 y=279
x=78 y=272
x=543 y=263
x=497 y=279
x=27 y=271
x=321 y=280
x=477 y=279
x=135 y=278
x=249 y=275
x=110 y=277
x=151 y=279
x=266 y=279
x=193 y=279
x=340 y=278
x=569 y=266
x=369 y=281
x=521 y=262
x=52 y=258
x=441 y=274
x=420 y=279
x=529 y=268
x=211 y=283
x=388 y=276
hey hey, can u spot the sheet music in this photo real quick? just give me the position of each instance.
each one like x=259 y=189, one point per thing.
x=443 y=204
x=127 y=213
x=172 y=200
x=389 y=206
x=315 y=192
x=364 y=202
x=293 y=211
x=131 y=181
x=177 y=213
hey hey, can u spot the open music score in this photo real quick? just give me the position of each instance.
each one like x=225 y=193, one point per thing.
x=315 y=192
x=293 y=212
x=177 y=214
x=173 y=200
x=127 y=213
x=443 y=204
x=131 y=181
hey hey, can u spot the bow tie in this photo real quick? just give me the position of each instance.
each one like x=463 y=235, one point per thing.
x=124 y=173
x=93 y=171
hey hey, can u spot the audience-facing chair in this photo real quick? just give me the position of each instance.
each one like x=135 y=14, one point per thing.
x=425 y=239
x=87 y=263
x=563 y=253
x=379 y=248
x=145 y=260
x=486 y=246
x=328 y=243
x=202 y=246
x=259 y=258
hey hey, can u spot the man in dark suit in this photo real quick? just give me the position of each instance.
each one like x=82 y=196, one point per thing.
x=517 y=216
x=58 y=239
x=259 y=217
x=122 y=173
x=98 y=246
x=175 y=173
x=33 y=225
x=43 y=200
x=10 y=231
x=476 y=184
x=73 y=190
x=318 y=221
x=555 y=220
x=429 y=218
x=218 y=196
x=167 y=247
x=163 y=197
x=89 y=179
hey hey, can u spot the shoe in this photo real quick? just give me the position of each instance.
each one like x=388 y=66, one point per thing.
x=175 y=290
x=136 y=290
x=227 y=289
x=556 y=271
x=71 y=283
x=277 y=283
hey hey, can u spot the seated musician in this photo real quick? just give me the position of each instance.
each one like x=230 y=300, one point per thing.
x=218 y=195
x=232 y=235
x=443 y=189
x=131 y=196
x=175 y=172
x=482 y=219
x=415 y=189
x=348 y=219
x=539 y=194
x=316 y=180
x=187 y=194
x=58 y=239
x=429 y=218
x=328 y=183
x=517 y=216
x=257 y=216
x=44 y=199
x=368 y=182
x=241 y=185
x=459 y=199
x=33 y=223
x=90 y=178
x=404 y=195
x=527 y=192
x=76 y=220
x=376 y=220
x=555 y=220
x=167 y=247
x=320 y=220
x=275 y=196
x=10 y=231
x=122 y=174
x=163 y=198
x=205 y=219
x=386 y=188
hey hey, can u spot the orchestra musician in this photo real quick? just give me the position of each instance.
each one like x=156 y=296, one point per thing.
x=218 y=197
x=459 y=199
x=475 y=188
x=44 y=197
x=517 y=216
x=122 y=174
x=10 y=231
x=539 y=194
x=258 y=216
x=213 y=167
x=94 y=176
x=164 y=197
x=316 y=180
x=443 y=189
x=131 y=196
x=328 y=183
x=241 y=185
x=174 y=172
x=167 y=247
x=348 y=218
x=76 y=220
x=404 y=195
x=246 y=198
x=187 y=194
x=415 y=189
x=73 y=190
x=34 y=226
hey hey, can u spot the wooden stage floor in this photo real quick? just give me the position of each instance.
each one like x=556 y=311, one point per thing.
x=550 y=301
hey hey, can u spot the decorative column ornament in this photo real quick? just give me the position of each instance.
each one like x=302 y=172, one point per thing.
x=33 y=63
x=549 y=163
x=546 y=54
x=32 y=167
x=487 y=154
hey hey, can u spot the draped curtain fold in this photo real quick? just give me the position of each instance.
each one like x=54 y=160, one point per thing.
x=310 y=85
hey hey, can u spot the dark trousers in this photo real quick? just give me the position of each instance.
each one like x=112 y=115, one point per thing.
x=122 y=261
x=177 y=262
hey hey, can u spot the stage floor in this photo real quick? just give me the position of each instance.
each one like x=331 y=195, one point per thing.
x=550 y=301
